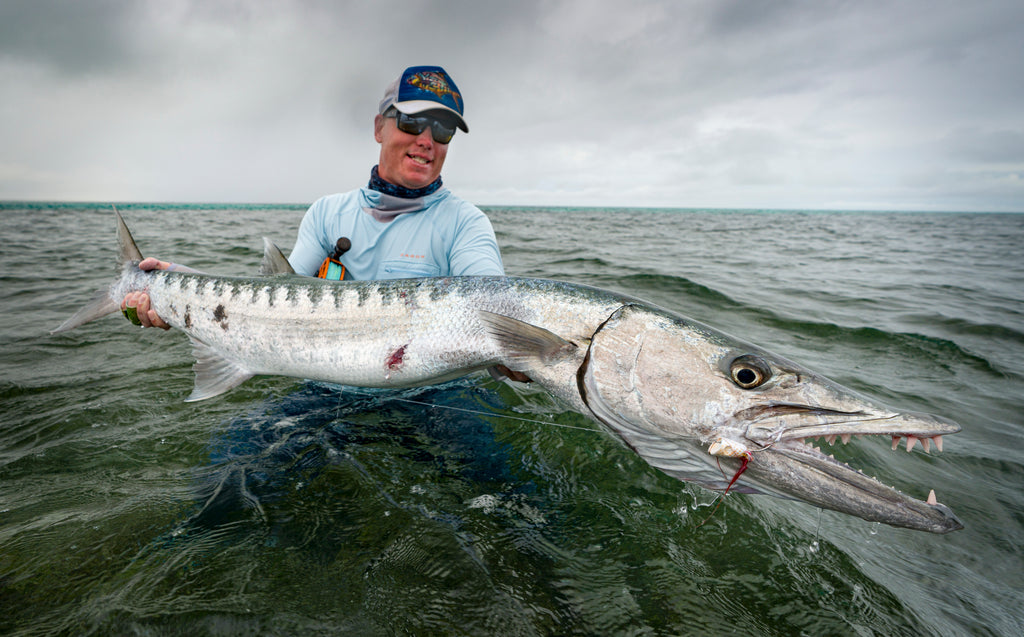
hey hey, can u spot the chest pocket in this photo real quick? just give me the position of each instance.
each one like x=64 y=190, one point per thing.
x=408 y=269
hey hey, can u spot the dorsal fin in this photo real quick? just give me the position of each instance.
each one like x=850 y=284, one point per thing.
x=274 y=261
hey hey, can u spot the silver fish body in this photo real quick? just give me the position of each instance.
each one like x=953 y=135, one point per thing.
x=693 y=402
x=394 y=333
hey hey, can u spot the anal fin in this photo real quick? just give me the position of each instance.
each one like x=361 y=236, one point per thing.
x=214 y=373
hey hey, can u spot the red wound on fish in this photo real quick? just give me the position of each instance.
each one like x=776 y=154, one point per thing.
x=395 y=359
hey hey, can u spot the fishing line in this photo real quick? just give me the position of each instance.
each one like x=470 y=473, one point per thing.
x=484 y=413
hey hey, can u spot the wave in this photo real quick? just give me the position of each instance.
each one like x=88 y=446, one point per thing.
x=648 y=286
x=986 y=330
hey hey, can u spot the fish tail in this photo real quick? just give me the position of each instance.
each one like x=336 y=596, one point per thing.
x=102 y=303
x=129 y=251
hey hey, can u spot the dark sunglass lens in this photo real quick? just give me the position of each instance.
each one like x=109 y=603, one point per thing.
x=410 y=124
x=442 y=133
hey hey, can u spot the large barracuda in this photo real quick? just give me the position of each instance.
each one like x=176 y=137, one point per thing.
x=693 y=402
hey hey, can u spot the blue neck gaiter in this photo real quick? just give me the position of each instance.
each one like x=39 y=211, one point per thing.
x=388 y=188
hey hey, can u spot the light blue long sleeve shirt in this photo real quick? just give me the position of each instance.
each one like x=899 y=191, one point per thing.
x=438 y=235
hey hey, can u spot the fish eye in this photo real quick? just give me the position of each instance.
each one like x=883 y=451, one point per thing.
x=749 y=372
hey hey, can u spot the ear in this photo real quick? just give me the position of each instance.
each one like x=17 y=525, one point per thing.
x=378 y=128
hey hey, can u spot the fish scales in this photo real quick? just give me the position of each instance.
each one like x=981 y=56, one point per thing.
x=332 y=332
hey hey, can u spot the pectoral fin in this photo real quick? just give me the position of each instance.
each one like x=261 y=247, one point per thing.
x=524 y=345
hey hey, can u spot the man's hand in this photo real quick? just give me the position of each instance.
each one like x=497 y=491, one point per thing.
x=136 y=304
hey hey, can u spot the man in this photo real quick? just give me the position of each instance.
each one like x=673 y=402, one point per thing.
x=404 y=223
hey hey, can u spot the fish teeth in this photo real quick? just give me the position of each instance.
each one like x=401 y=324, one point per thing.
x=925 y=441
x=931 y=498
x=845 y=438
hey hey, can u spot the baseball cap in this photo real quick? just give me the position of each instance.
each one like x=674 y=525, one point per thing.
x=424 y=88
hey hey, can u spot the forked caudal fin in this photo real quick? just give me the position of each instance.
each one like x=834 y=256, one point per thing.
x=129 y=251
x=214 y=374
x=101 y=304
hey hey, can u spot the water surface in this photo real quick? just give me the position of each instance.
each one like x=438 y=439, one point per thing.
x=287 y=507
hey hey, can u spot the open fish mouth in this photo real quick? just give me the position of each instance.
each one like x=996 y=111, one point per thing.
x=784 y=460
x=768 y=422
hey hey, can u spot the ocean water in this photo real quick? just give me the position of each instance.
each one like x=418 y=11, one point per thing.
x=471 y=508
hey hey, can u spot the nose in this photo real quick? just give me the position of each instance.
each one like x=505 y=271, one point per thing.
x=425 y=138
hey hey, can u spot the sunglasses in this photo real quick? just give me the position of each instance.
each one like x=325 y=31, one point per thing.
x=416 y=124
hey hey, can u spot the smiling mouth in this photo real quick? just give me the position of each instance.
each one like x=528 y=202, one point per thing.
x=423 y=161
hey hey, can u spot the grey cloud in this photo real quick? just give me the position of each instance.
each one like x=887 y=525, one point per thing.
x=674 y=102
x=988 y=147
x=68 y=37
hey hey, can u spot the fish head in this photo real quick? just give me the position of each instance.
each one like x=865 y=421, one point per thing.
x=707 y=408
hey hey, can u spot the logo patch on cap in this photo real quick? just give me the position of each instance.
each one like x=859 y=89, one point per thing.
x=436 y=83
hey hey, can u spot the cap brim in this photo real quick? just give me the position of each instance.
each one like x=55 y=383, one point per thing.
x=414 y=107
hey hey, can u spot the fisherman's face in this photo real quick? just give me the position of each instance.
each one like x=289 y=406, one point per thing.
x=413 y=161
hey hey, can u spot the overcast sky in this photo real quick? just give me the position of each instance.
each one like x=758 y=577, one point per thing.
x=903 y=105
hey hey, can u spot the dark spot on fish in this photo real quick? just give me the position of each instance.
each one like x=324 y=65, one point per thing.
x=395 y=359
x=409 y=298
x=441 y=288
x=315 y=294
x=386 y=291
x=188 y=317
x=364 y=294
x=221 y=316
